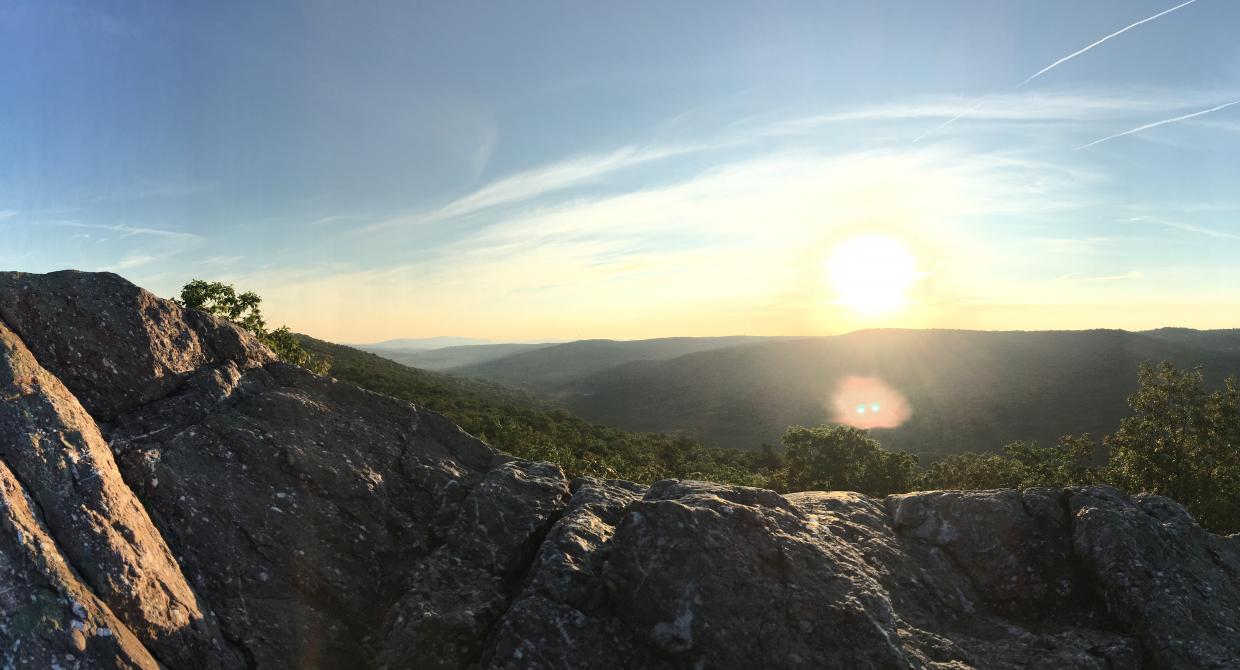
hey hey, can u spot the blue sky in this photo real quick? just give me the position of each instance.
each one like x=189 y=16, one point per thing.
x=562 y=170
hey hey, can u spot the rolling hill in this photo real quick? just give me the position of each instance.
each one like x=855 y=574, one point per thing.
x=447 y=358
x=523 y=424
x=422 y=343
x=968 y=390
x=548 y=368
x=1225 y=340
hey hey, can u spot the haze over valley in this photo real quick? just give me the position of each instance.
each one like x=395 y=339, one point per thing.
x=966 y=390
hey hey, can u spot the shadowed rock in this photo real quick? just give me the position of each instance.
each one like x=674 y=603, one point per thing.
x=290 y=520
x=1161 y=576
x=458 y=593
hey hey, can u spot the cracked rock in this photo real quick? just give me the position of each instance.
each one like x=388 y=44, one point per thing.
x=172 y=496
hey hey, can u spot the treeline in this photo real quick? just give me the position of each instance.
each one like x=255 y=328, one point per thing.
x=520 y=424
x=1182 y=440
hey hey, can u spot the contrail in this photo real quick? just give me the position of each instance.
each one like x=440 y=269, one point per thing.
x=1121 y=31
x=1156 y=124
x=951 y=120
x=1050 y=67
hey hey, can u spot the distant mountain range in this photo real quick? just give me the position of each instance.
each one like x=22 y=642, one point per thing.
x=448 y=358
x=422 y=344
x=552 y=368
x=967 y=390
x=520 y=364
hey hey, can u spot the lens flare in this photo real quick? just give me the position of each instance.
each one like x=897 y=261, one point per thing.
x=869 y=402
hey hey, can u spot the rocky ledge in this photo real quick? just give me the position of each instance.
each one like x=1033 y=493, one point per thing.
x=172 y=496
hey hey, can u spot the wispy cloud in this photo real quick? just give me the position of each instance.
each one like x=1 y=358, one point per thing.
x=1159 y=123
x=1117 y=33
x=950 y=121
x=125 y=230
x=1024 y=106
x=722 y=201
x=337 y=218
x=1079 y=278
x=533 y=183
x=219 y=261
x=131 y=262
x=972 y=110
x=776 y=211
x=7 y=214
x=744 y=237
x=1210 y=207
x=1231 y=126
x=1187 y=227
x=1072 y=245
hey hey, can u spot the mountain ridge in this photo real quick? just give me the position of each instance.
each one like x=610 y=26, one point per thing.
x=545 y=367
x=744 y=395
x=308 y=522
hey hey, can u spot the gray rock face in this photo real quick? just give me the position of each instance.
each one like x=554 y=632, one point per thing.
x=1174 y=585
x=50 y=445
x=170 y=495
x=113 y=344
x=456 y=595
x=49 y=614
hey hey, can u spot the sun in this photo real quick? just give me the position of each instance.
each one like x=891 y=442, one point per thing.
x=872 y=274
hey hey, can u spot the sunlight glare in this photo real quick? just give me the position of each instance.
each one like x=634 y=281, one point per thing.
x=872 y=274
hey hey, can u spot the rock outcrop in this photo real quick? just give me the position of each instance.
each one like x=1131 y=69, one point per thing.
x=171 y=495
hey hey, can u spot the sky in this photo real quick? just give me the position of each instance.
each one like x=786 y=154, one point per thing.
x=552 y=171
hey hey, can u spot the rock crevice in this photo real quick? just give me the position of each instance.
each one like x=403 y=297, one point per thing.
x=173 y=496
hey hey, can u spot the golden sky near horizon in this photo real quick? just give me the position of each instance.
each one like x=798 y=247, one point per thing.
x=800 y=246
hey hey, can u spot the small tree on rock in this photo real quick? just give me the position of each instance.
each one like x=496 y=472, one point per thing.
x=222 y=300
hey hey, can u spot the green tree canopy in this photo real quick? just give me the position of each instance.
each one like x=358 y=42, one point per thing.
x=832 y=457
x=223 y=300
x=972 y=471
x=1183 y=443
x=1022 y=465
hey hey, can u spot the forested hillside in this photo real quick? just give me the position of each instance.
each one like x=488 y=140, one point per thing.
x=967 y=390
x=1174 y=437
x=549 y=368
x=519 y=423
x=446 y=358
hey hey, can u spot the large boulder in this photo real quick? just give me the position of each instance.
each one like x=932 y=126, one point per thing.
x=1161 y=576
x=115 y=345
x=49 y=614
x=297 y=505
x=53 y=447
x=457 y=594
x=1017 y=545
x=564 y=617
x=172 y=496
